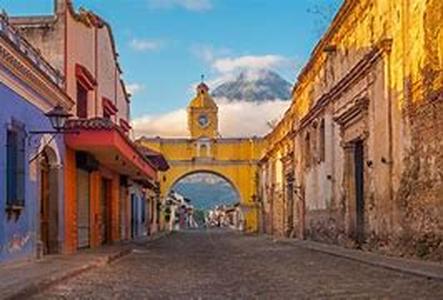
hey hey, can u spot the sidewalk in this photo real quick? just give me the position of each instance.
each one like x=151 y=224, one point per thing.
x=20 y=280
x=426 y=269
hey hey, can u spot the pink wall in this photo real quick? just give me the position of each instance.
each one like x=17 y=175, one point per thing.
x=92 y=48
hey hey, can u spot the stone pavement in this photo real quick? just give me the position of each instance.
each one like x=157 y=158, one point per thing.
x=226 y=265
x=432 y=270
x=18 y=280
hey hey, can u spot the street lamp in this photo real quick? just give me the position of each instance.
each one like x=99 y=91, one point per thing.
x=58 y=117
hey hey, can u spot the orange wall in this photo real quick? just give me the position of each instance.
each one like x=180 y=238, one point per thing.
x=70 y=173
x=115 y=208
x=95 y=212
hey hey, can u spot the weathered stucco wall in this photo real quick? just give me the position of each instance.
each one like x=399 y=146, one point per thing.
x=374 y=79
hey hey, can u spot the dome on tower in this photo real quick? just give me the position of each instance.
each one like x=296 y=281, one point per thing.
x=202 y=87
x=203 y=99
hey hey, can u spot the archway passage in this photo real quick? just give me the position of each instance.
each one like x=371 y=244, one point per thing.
x=49 y=202
x=209 y=194
x=236 y=160
x=207 y=190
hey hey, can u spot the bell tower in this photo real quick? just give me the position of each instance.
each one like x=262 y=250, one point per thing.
x=203 y=114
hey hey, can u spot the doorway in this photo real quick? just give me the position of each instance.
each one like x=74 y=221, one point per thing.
x=359 y=191
x=134 y=223
x=289 y=205
x=83 y=210
x=105 y=211
x=48 y=227
x=44 y=204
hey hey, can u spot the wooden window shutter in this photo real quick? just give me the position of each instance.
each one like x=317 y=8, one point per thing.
x=21 y=166
x=11 y=164
x=15 y=166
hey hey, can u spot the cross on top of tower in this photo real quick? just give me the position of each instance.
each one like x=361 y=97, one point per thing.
x=202 y=87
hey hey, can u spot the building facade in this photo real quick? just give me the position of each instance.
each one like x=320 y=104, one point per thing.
x=31 y=164
x=355 y=160
x=106 y=176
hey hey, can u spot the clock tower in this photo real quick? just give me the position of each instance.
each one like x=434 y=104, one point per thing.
x=202 y=114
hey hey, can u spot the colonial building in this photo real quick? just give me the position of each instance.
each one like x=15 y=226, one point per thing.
x=31 y=162
x=357 y=160
x=107 y=177
x=234 y=159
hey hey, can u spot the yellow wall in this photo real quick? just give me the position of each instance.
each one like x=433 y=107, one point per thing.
x=233 y=159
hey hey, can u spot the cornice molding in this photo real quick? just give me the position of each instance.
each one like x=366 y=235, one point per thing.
x=45 y=93
x=355 y=74
x=211 y=163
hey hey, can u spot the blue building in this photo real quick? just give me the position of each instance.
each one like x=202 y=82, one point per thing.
x=31 y=164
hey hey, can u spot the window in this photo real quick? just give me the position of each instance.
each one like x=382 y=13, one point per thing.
x=203 y=150
x=307 y=152
x=322 y=140
x=106 y=115
x=109 y=108
x=82 y=101
x=15 y=165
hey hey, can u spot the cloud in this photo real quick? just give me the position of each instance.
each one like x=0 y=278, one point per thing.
x=171 y=124
x=143 y=45
x=226 y=67
x=134 y=88
x=231 y=64
x=192 y=5
x=236 y=119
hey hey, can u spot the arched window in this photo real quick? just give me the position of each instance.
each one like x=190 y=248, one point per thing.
x=203 y=150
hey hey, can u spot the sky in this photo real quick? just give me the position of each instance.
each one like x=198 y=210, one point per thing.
x=165 y=45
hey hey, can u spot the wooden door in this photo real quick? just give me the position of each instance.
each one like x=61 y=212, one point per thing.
x=290 y=206
x=105 y=211
x=83 y=210
x=359 y=191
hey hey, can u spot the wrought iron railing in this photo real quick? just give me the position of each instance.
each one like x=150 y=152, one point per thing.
x=11 y=34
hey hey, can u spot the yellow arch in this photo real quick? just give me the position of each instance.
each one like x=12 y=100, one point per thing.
x=233 y=159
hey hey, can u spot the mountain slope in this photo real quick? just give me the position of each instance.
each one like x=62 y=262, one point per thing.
x=254 y=86
x=206 y=196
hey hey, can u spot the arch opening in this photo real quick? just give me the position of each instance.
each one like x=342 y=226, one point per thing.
x=49 y=202
x=214 y=198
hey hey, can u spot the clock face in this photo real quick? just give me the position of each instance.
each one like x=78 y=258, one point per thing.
x=203 y=120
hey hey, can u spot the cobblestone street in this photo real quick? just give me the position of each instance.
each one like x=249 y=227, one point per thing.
x=220 y=265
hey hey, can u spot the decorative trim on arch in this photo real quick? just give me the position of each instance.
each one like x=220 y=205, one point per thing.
x=47 y=141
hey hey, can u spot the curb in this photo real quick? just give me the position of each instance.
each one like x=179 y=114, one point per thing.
x=401 y=265
x=43 y=284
